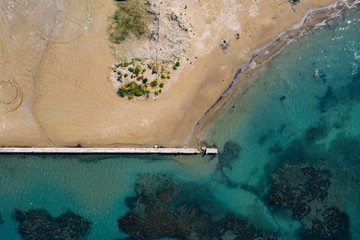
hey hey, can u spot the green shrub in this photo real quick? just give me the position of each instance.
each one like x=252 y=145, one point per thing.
x=131 y=69
x=145 y=80
x=144 y=70
x=157 y=92
x=161 y=85
x=126 y=75
x=175 y=67
x=168 y=77
x=142 y=87
x=138 y=92
x=130 y=97
x=163 y=76
x=154 y=83
x=121 y=92
x=137 y=70
x=177 y=64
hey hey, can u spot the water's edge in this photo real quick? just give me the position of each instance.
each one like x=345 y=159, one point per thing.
x=243 y=77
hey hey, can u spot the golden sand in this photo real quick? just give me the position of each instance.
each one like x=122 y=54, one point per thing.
x=54 y=70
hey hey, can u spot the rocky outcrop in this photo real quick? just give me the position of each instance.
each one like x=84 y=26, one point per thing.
x=303 y=190
x=40 y=225
x=162 y=210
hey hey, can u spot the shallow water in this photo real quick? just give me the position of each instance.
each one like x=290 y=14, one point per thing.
x=303 y=109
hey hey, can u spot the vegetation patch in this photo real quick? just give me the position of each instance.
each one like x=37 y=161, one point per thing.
x=135 y=81
x=132 y=89
x=130 y=18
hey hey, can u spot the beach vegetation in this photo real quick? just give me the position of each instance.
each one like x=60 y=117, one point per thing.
x=131 y=69
x=150 y=65
x=175 y=67
x=177 y=64
x=161 y=85
x=168 y=77
x=154 y=83
x=130 y=18
x=121 y=92
x=137 y=70
x=132 y=89
x=138 y=92
x=163 y=76
x=155 y=69
x=145 y=80
x=125 y=75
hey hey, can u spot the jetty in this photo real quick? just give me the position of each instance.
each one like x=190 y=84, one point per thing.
x=182 y=151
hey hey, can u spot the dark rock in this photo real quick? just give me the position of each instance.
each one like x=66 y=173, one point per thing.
x=162 y=211
x=331 y=224
x=298 y=185
x=224 y=44
x=229 y=154
x=294 y=2
x=303 y=189
x=39 y=225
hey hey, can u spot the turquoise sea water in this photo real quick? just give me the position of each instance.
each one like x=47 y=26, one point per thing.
x=302 y=112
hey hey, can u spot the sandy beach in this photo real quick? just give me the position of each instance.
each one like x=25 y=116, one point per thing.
x=55 y=89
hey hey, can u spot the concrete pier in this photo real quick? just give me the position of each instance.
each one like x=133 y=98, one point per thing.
x=185 y=151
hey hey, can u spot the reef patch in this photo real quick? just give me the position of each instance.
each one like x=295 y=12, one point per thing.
x=40 y=225
x=164 y=210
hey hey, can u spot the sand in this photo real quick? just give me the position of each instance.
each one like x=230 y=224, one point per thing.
x=54 y=70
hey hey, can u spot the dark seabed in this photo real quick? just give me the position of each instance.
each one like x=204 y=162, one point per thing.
x=288 y=166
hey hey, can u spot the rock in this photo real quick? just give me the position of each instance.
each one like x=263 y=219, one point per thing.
x=331 y=224
x=39 y=225
x=163 y=211
x=224 y=44
x=303 y=190
x=229 y=154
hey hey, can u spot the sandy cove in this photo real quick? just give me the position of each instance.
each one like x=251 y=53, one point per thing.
x=54 y=77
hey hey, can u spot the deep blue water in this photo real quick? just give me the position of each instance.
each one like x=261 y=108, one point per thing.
x=289 y=161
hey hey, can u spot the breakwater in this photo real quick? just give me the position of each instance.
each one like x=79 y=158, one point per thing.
x=185 y=151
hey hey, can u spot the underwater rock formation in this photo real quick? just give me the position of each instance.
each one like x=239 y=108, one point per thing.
x=162 y=211
x=229 y=154
x=40 y=225
x=298 y=185
x=303 y=189
x=331 y=224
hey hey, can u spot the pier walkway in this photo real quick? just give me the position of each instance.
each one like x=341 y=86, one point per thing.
x=185 y=151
